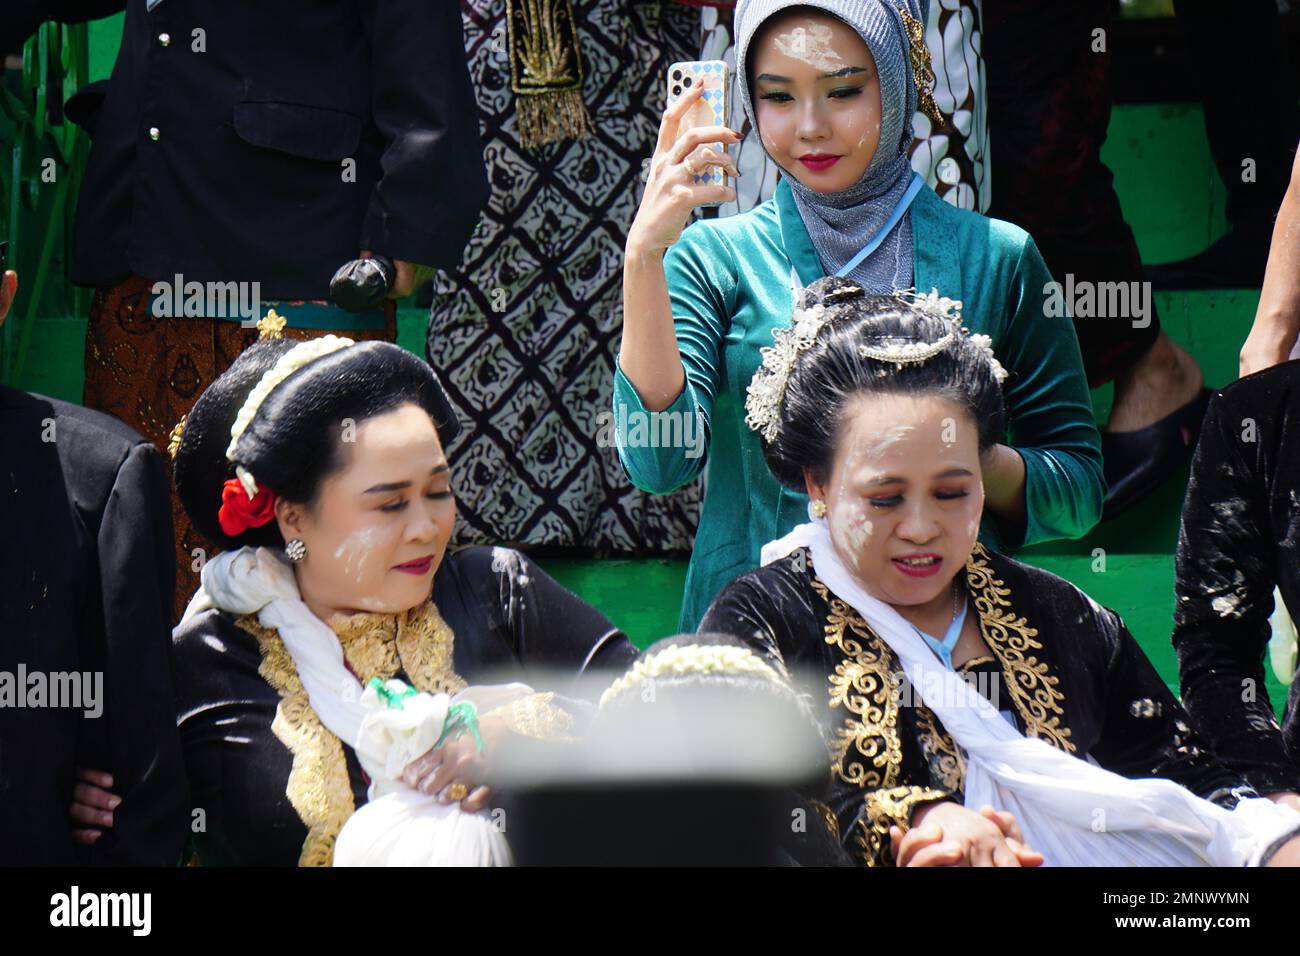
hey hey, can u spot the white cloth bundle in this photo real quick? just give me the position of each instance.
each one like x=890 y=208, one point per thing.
x=400 y=826
x=1072 y=811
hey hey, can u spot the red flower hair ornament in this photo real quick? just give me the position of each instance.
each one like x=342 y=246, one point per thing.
x=239 y=512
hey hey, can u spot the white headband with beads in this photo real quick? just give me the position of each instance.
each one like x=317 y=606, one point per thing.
x=301 y=354
x=686 y=659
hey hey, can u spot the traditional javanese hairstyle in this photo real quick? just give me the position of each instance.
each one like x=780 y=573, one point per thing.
x=271 y=426
x=844 y=343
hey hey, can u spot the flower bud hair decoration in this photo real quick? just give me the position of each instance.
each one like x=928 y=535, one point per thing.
x=766 y=390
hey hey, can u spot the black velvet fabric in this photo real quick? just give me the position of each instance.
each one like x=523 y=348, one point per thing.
x=1239 y=538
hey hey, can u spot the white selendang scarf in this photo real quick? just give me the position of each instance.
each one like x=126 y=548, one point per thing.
x=1072 y=811
x=399 y=825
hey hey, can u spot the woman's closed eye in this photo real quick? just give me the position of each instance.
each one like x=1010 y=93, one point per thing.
x=892 y=500
x=401 y=503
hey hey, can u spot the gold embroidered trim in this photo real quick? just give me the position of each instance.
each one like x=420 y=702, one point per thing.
x=425 y=645
x=1032 y=686
x=975 y=662
x=534 y=716
x=545 y=71
x=828 y=817
x=863 y=685
x=418 y=642
x=882 y=809
x=318 y=787
x=946 y=762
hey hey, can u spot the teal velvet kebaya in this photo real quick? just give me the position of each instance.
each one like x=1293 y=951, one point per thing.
x=730 y=285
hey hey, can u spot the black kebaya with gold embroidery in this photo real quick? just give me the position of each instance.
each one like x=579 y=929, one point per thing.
x=270 y=785
x=1063 y=668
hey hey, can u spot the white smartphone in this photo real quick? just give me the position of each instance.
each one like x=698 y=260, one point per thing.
x=711 y=109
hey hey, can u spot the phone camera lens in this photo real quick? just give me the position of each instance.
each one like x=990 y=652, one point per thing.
x=677 y=91
x=677 y=74
x=686 y=82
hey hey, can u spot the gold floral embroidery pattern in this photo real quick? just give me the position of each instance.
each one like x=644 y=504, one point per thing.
x=424 y=644
x=863 y=685
x=882 y=809
x=828 y=817
x=534 y=716
x=947 y=765
x=1033 y=688
x=318 y=786
x=418 y=642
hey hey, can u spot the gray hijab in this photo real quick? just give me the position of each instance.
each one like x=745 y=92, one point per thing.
x=841 y=223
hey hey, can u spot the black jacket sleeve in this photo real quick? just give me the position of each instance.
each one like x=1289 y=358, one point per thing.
x=1225 y=572
x=434 y=182
x=137 y=730
x=551 y=627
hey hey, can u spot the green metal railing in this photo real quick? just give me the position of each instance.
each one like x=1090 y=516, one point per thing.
x=38 y=184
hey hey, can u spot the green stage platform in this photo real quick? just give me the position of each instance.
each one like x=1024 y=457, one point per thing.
x=1174 y=202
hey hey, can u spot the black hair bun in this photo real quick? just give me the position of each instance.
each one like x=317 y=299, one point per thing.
x=292 y=443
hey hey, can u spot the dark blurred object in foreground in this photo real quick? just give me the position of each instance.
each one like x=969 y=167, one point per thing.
x=705 y=760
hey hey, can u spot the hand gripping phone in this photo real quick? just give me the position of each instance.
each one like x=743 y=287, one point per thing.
x=711 y=109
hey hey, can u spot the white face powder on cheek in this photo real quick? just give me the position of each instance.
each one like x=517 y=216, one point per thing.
x=355 y=550
x=851 y=528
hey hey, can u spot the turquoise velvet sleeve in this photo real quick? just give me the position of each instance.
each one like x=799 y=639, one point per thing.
x=1050 y=416
x=701 y=288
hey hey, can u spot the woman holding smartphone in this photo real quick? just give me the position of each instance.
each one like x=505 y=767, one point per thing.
x=832 y=94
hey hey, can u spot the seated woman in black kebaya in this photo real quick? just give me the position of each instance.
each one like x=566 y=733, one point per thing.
x=978 y=711
x=319 y=469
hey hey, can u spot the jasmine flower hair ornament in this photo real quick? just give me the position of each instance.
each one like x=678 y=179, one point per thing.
x=766 y=390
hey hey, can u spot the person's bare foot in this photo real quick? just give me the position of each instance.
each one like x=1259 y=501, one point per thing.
x=1164 y=380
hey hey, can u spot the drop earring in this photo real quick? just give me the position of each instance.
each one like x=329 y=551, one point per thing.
x=295 y=549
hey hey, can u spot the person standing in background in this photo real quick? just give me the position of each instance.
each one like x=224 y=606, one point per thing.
x=951 y=156
x=85 y=605
x=1050 y=99
x=259 y=147
x=525 y=329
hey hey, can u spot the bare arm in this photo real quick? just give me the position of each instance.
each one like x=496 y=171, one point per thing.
x=649 y=356
x=1277 y=322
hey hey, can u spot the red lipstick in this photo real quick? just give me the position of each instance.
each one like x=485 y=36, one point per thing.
x=919 y=565
x=819 y=161
x=420 y=566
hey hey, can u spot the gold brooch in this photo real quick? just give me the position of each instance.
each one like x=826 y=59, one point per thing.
x=922 y=67
x=271 y=326
x=174 y=442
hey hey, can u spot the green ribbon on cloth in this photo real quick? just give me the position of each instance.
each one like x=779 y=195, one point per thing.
x=393 y=699
x=461 y=719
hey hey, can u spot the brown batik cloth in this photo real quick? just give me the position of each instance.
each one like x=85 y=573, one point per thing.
x=149 y=372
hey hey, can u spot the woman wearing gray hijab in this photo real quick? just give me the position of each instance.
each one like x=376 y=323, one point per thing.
x=831 y=86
